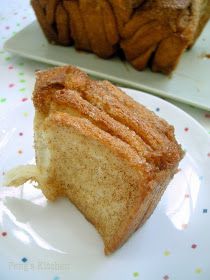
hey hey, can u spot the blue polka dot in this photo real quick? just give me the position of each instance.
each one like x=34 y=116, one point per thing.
x=24 y=259
x=157 y=109
x=205 y=211
x=56 y=278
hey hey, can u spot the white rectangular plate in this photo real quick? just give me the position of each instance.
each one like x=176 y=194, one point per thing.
x=190 y=83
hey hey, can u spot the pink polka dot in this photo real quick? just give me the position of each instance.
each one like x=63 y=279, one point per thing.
x=165 y=277
x=24 y=17
x=208 y=154
x=194 y=246
x=4 y=233
x=20 y=133
x=24 y=99
x=10 y=67
x=187 y=195
x=186 y=129
x=11 y=85
x=184 y=226
x=7 y=27
x=207 y=115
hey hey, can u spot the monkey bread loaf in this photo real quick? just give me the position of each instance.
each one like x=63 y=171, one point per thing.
x=147 y=32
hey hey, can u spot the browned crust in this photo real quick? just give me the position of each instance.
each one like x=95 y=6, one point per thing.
x=167 y=56
x=160 y=124
x=123 y=10
x=93 y=20
x=123 y=110
x=141 y=61
x=138 y=122
x=69 y=100
x=43 y=3
x=62 y=23
x=46 y=27
x=50 y=11
x=77 y=26
x=109 y=23
x=150 y=34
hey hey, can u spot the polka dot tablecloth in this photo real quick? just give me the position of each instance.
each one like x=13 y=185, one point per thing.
x=16 y=86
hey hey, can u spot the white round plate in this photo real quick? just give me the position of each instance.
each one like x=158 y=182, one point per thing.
x=52 y=240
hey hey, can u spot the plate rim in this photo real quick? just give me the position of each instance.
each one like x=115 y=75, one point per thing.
x=151 y=90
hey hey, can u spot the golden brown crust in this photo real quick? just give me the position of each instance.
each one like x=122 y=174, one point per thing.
x=92 y=14
x=77 y=26
x=46 y=27
x=166 y=61
x=43 y=3
x=109 y=23
x=127 y=101
x=71 y=100
x=50 y=11
x=141 y=62
x=138 y=122
x=153 y=133
x=62 y=23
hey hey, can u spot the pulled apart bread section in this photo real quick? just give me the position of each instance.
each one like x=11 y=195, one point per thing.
x=112 y=157
x=151 y=33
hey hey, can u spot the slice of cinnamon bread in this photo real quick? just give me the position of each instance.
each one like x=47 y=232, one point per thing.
x=112 y=157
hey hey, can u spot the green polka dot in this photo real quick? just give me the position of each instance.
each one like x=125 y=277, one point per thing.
x=21 y=63
x=2 y=100
x=18 y=24
x=22 y=81
x=21 y=74
x=22 y=89
x=7 y=58
x=25 y=114
x=135 y=274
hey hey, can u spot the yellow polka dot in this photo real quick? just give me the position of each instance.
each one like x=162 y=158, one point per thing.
x=135 y=274
x=198 y=270
x=166 y=253
x=25 y=114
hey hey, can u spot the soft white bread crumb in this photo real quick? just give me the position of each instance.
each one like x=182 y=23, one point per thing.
x=21 y=174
